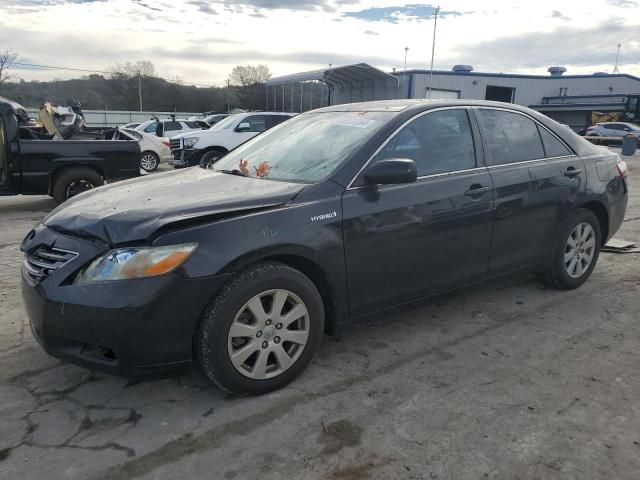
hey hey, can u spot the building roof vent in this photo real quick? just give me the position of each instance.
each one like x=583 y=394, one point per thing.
x=600 y=74
x=462 y=68
x=556 y=71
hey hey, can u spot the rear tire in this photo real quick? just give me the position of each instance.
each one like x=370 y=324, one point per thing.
x=247 y=343
x=74 y=181
x=577 y=252
x=149 y=161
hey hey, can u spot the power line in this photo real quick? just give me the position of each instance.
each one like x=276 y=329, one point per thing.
x=85 y=70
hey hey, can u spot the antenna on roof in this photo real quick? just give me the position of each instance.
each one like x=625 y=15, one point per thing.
x=615 y=68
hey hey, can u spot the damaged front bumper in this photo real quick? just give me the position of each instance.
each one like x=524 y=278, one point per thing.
x=128 y=327
x=185 y=158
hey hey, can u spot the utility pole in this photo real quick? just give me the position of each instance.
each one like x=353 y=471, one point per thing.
x=433 y=50
x=228 y=104
x=615 y=68
x=140 y=88
x=404 y=77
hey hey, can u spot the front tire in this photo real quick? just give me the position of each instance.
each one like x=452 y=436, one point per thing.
x=261 y=331
x=74 y=181
x=210 y=157
x=577 y=252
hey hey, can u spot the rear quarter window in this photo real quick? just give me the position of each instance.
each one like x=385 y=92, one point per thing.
x=552 y=146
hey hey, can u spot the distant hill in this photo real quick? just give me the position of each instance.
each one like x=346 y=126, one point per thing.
x=99 y=93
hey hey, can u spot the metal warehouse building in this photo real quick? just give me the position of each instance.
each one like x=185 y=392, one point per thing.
x=569 y=99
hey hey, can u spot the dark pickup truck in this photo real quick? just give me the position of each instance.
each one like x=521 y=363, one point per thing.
x=32 y=162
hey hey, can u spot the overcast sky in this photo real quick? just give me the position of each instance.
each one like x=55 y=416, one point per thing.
x=201 y=40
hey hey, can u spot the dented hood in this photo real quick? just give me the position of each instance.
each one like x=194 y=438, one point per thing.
x=133 y=210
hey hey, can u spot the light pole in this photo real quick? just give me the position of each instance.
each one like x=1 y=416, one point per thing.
x=615 y=68
x=433 y=50
x=140 y=88
x=404 y=76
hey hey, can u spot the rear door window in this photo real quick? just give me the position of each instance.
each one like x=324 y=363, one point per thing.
x=277 y=119
x=257 y=123
x=552 y=146
x=509 y=137
x=439 y=142
x=151 y=128
x=172 y=127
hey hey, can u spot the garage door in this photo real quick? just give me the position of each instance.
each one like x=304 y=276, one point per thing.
x=446 y=94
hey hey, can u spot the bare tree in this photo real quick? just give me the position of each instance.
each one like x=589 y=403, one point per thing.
x=249 y=81
x=247 y=75
x=143 y=68
x=7 y=58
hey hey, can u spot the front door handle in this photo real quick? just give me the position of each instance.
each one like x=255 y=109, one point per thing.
x=572 y=172
x=476 y=190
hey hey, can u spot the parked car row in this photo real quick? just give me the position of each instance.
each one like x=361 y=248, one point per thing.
x=206 y=146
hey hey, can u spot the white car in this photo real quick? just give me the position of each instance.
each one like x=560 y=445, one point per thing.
x=612 y=129
x=168 y=128
x=153 y=150
x=205 y=147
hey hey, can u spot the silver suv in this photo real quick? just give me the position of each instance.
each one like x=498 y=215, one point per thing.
x=612 y=129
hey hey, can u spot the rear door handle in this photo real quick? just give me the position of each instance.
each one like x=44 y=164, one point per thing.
x=476 y=190
x=572 y=172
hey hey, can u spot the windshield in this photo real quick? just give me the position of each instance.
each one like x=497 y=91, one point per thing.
x=307 y=148
x=224 y=124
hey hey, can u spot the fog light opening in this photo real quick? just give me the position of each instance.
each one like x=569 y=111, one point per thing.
x=96 y=351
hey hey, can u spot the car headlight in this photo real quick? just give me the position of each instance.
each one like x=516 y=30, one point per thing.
x=190 y=142
x=127 y=263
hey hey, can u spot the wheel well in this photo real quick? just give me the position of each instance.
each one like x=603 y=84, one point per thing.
x=220 y=149
x=59 y=171
x=600 y=211
x=319 y=279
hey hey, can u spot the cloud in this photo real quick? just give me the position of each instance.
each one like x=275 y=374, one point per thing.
x=623 y=3
x=562 y=46
x=370 y=32
x=204 y=6
x=559 y=15
x=305 y=5
x=395 y=14
x=142 y=4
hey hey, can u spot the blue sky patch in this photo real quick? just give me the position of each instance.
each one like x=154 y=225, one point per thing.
x=394 y=14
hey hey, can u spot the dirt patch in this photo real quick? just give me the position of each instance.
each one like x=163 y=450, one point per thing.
x=338 y=435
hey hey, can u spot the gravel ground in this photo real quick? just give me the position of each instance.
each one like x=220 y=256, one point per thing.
x=506 y=381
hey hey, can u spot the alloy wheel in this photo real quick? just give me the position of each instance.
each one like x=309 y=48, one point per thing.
x=579 y=250
x=268 y=334
x=77 y=187
x=148 y=162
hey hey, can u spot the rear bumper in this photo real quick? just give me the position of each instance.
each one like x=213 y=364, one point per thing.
x=618 y=206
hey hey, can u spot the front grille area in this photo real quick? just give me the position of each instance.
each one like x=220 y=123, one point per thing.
x=175 y=143
x=38 y=265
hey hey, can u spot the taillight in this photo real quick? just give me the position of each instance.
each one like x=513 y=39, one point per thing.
x=167 y=143
x=623 y=169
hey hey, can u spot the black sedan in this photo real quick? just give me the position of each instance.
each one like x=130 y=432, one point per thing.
x=332 y=216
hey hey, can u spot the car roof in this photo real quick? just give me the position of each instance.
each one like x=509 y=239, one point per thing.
x=417 y=105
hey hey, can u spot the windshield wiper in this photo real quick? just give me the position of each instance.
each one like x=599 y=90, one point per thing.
x=235 y=171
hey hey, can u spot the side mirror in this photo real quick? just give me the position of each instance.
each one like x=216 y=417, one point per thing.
x=243 y=127
x=394 y=170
